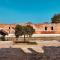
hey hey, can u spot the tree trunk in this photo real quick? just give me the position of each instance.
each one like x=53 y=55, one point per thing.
x=16 y=39
x=24 y=38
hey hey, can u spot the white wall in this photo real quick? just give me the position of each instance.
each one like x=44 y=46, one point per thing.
x=45 y=35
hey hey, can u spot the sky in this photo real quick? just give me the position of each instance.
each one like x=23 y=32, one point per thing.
x=22 y=11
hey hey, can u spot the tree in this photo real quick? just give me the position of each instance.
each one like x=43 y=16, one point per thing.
x=27 y=30
x=30 y=30
x=23 y=30
x=3 y=33
x=55 y=18
x=18 y=31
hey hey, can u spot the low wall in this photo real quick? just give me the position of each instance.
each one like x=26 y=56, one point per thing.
x=37 y=37
x=45 y=35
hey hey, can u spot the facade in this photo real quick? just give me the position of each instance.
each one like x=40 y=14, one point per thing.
x=9 y=28
x=46 y=28
x=39 y=28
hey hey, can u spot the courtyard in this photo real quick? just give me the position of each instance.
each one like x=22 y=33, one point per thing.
x=43 y=50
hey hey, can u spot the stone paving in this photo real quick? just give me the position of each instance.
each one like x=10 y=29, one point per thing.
x=45 y=50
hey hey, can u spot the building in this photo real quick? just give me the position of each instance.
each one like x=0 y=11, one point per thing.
x=45 y=28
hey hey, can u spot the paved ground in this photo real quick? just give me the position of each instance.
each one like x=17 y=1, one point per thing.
x=44 y=50
x=24 y=47
x=38 y=47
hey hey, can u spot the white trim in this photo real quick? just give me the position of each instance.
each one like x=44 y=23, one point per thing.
x=45 y=35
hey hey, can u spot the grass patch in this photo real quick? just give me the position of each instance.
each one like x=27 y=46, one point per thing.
x=2 y=39
x=26 y=42
x=32 y=43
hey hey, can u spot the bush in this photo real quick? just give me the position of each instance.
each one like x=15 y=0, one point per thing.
x=2 y=38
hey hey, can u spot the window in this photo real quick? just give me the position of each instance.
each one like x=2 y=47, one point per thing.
x=52 y=28
x=9 y=27
x=45 y=28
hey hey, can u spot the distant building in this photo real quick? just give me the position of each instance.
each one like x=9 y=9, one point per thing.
x=39 y=28
x=46 y=28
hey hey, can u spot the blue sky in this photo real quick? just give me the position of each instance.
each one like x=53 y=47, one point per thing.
x=35 y=11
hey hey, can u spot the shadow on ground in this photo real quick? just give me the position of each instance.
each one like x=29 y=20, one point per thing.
x=50 y=53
